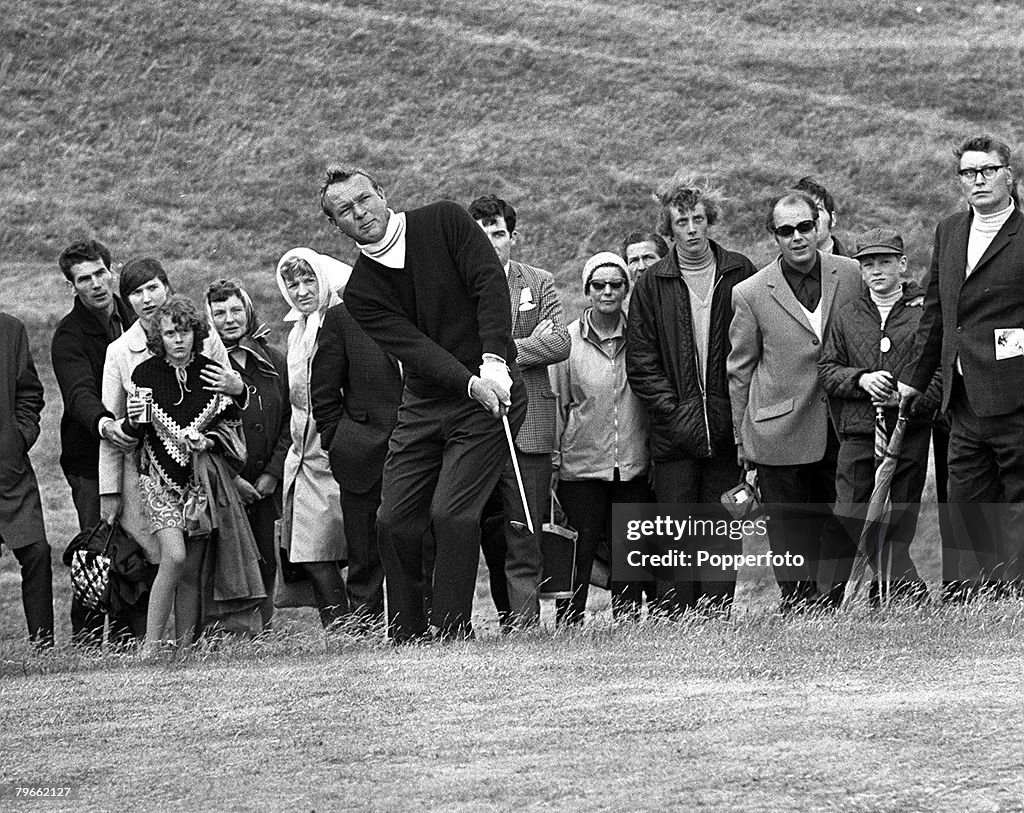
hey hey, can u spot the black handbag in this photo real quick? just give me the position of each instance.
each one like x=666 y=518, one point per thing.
x=88 y=557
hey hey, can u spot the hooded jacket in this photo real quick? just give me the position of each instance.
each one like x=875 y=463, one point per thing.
x=688 y=419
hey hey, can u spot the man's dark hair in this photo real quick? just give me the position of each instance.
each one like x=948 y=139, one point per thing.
x=817 y=192
x=790 y=196
x=140 y=271
x=660 y=246
x=686 y=197
x=83 y=251
x=339 y=173
x=183 y=313
x=489 y=208
x=989 y=143
x=984 y=143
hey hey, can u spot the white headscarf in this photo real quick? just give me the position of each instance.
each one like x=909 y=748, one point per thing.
x=331 y=276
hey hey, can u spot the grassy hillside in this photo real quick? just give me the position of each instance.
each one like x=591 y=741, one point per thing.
x=197 y=133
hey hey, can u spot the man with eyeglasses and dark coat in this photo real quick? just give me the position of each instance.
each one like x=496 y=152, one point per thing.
x=972 y=329
x=779 y=409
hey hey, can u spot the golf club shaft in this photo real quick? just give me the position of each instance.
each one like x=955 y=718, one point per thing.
x=519 y=477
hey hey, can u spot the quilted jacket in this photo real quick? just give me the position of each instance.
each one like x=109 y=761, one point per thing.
x=688 y=421
x=853 y=347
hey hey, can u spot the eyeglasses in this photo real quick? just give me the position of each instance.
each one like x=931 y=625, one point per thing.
x=598 y=285
x=970 y=174
x=804 y=227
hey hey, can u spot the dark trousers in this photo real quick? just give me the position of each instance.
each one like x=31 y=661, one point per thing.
x=36 y=590
x=365 y=583
x=813 y=533
x=888 y=546
x=444 y=459
x=986 y=492
x=950 y=554
x=513 y=557
x=87 y=625
x=588 y=509
x=262 y=516
x=700 y=482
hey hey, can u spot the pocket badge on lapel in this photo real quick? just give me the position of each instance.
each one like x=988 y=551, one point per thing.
x=526 y=302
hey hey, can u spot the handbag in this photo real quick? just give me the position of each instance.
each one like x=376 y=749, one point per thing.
x=87 y=556
x=197 y=513
x=558 y=553
x=196 y=510
x=743 y=501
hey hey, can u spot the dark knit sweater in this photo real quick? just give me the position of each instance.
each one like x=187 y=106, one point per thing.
x=199 y=409
x=447 y=307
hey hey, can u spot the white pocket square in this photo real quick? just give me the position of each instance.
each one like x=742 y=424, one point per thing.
x=526 y=302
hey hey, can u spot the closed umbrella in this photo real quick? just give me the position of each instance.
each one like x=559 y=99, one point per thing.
x=879 y=508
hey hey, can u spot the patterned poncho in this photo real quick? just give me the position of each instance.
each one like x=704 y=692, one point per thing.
x=177 y=408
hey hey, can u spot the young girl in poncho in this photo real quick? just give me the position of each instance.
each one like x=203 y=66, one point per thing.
x=184 y=422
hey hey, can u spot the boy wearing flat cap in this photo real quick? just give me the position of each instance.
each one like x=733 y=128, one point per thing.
x=867 y=347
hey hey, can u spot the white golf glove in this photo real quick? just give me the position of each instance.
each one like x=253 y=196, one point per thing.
x=495 y=370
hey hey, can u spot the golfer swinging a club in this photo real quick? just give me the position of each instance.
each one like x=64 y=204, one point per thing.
x=429 y=289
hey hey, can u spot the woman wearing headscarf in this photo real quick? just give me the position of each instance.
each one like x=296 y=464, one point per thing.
x=265 y=420
x=602 y=432
x=312 y=535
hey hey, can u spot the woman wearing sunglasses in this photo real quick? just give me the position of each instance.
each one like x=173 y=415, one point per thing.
x=602 y=431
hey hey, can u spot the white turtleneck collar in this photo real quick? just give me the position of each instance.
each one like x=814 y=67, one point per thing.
x=983 y=228
x=886 y=302
x=389 y=250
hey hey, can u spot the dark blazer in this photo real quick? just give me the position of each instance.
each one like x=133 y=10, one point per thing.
x=356 y=390
x=21 y=402
x=78 y=349
x=961 y=316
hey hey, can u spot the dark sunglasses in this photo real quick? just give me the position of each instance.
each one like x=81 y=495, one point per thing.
x=598 y=285
x=804 y=227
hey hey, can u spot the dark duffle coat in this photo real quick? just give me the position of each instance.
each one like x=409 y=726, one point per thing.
x=21 y=402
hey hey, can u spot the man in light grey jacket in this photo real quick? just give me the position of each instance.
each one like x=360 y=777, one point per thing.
x=779 y=409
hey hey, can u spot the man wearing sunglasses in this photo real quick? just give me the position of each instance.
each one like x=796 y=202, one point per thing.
x=779 y=409
x=972 y=329
x=676 y=349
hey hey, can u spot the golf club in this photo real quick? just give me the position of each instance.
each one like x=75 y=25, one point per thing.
x=516 y=525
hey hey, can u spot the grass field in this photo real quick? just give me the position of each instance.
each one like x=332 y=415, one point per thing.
x=908 y=712
x=197 y=134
